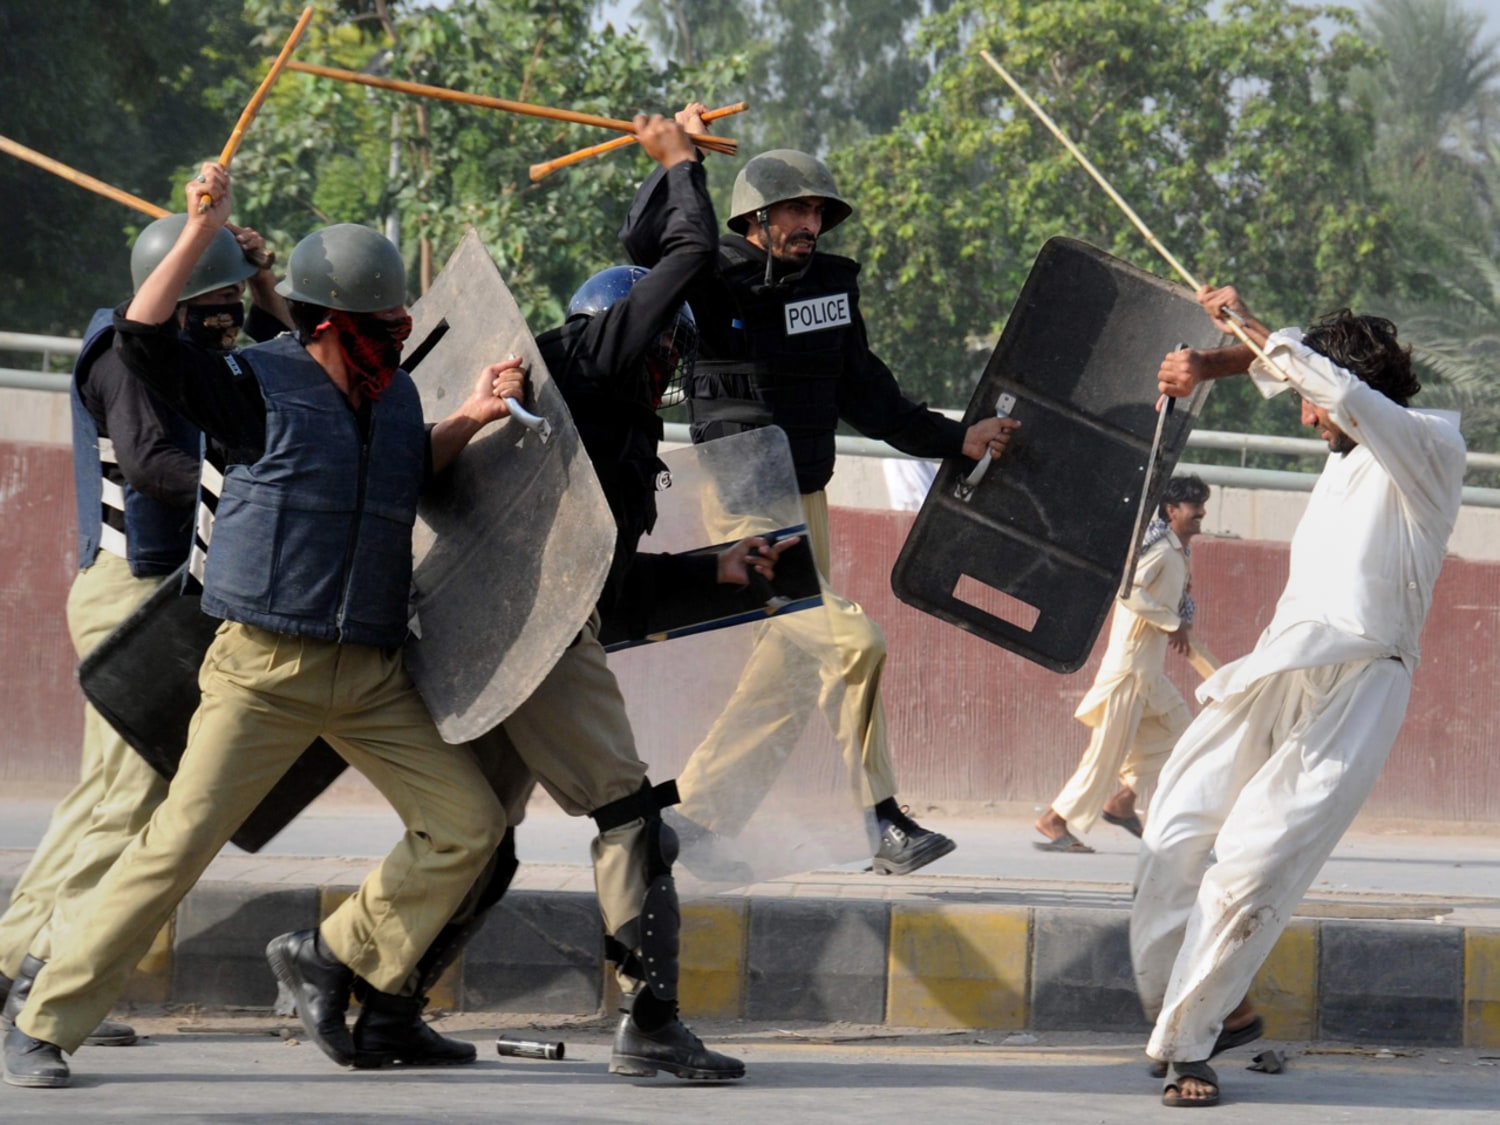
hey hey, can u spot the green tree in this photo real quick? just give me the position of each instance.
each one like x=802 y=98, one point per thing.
x=817 y=75
x=1453 y=324
x=1433 y=94
x=116 y=90
x=1227 y=126
x=324 y=151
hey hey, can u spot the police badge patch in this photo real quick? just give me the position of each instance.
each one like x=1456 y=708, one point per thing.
x=818 y=313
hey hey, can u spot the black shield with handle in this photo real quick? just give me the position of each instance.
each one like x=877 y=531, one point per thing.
x=1029 y=553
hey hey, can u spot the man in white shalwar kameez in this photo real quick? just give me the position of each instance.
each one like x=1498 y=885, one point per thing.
x=1135 y=711
x=1276 y=766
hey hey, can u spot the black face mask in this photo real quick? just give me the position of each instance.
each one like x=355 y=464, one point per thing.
x=215 y=327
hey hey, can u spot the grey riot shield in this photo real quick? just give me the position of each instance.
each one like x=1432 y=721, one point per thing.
x=143 y=678
x=749 y=481
x=514 y=541
x=737 y=714
x=1029 y=555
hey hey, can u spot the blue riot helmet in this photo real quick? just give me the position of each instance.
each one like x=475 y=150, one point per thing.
x=670 y=360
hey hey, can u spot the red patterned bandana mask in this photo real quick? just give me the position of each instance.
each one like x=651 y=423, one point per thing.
x=371 y=347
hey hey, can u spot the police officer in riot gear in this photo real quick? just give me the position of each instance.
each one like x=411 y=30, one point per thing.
x=310 y=571
x=624 y=349
x=136 y=469
x=782 y=342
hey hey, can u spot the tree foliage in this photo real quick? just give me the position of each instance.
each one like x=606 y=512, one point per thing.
x=1433 y=95
x=1313 y=157
x=1225 y=125
x=328 y=151
x=113 y=88
x=817 y=75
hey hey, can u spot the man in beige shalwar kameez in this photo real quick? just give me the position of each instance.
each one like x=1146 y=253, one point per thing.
x=1136 y=712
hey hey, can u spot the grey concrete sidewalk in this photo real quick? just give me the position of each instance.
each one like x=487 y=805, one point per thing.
x=1376 y=859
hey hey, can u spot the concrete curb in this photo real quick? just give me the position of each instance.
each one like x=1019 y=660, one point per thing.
x=859 y=949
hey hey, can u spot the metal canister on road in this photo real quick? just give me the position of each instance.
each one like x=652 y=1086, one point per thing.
x=528 y=1048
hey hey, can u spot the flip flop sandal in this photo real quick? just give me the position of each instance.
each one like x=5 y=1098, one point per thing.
x=1067 y=842
x=1131 y=823
x=1171 y=1094
x=1227 y=1041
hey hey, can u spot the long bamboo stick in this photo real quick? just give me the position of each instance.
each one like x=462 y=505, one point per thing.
x=546 y=168
x=261 y=258
x=1130 y=214
x=81 y=179
x=442 y=93
x=258 y=99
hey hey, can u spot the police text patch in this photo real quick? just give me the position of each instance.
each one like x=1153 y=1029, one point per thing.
x=817 y=313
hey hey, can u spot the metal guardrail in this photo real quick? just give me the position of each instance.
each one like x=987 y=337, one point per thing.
x=1225 y=476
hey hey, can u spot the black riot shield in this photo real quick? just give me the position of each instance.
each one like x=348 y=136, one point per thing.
x=514 y=540
x=737 y=486
x=143 y=678
x=1029 y=554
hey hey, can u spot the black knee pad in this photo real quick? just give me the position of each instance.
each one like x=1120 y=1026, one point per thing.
x=645 y=803
x=646 y=948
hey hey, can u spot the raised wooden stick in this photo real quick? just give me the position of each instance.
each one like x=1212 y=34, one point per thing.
x=73 y=176
x=261 y=258
x=1041 y=114
x=253 y=107
x=400 y=86
x=545 y=169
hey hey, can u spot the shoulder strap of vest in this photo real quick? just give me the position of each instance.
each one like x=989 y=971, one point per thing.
x=736 y=251
x=836 y=268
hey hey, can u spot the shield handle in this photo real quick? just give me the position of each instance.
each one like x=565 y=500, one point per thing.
x=533 y=422
x=965 y=488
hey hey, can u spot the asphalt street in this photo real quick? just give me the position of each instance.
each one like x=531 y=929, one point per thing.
x=256 y=1070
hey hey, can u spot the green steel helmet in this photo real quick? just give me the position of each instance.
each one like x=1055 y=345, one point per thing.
x=348 y=267
x=223 y=263
x=780 y=175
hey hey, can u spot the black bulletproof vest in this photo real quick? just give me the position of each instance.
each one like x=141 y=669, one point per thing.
x=775 y=355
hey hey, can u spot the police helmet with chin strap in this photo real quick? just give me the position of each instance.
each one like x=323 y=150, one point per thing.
x=781 y=175
x=670 y=359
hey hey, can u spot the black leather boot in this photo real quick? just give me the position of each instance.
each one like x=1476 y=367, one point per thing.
x=670 y=1047
x=109 y=1033
x=321 y=985
x=390 y=1031
x=34 y=1062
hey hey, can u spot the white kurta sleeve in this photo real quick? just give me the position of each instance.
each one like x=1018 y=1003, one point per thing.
x=1420 y=451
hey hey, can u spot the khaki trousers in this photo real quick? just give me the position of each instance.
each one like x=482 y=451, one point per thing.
x=265 y=697
x=829 y=659
x=573 y=736
x=1128 y=746
x=116 y=791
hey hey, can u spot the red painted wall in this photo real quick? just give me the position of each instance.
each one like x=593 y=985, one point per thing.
x=41 y=710
x=969 y=721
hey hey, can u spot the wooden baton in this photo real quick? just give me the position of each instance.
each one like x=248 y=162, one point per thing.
x=251 y=109
x=442 y=93
x=545 y=169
